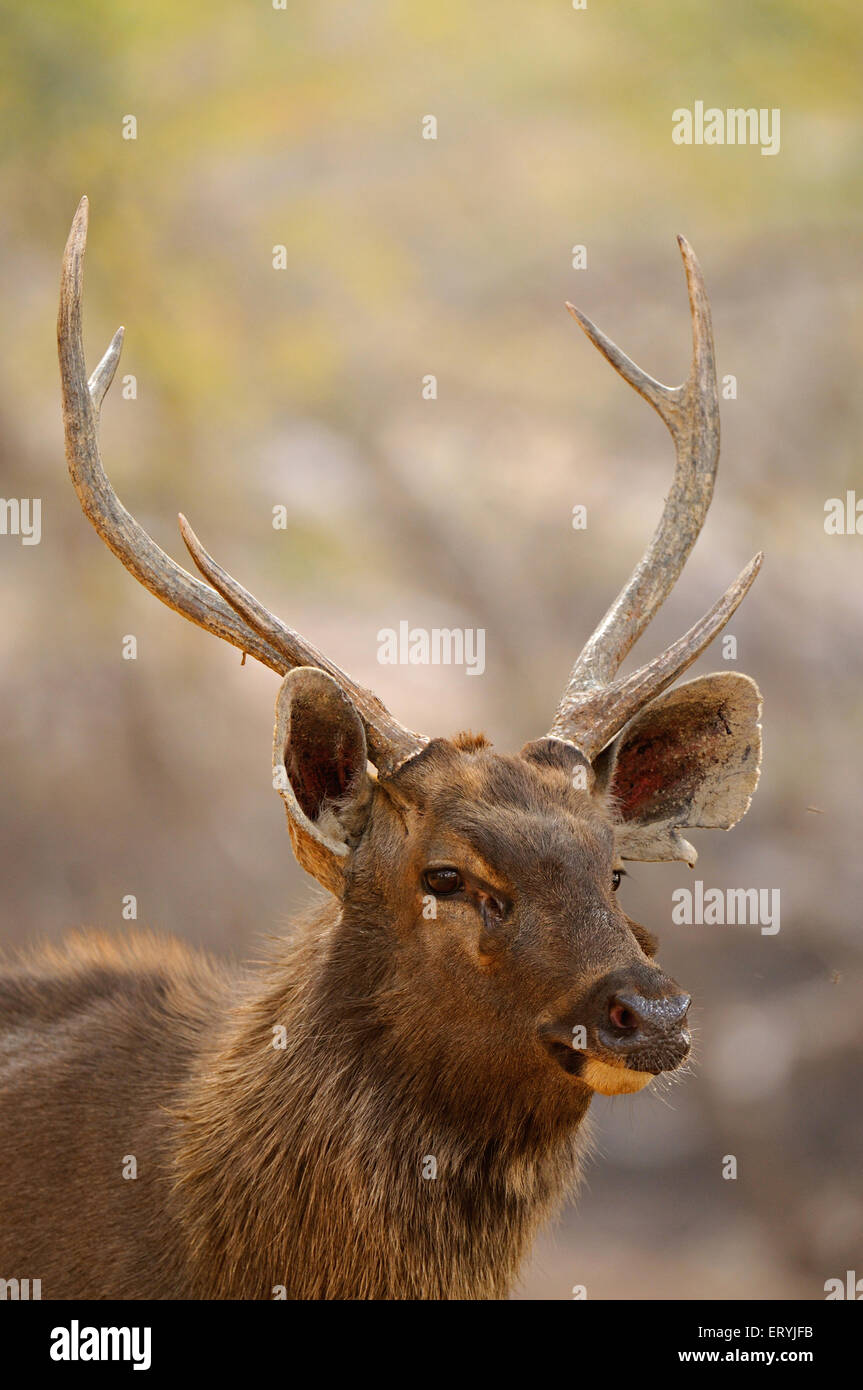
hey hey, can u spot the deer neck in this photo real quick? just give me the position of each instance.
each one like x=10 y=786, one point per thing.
x=323 y=1124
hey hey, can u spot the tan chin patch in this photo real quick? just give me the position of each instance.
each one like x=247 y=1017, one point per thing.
x=613 y=1081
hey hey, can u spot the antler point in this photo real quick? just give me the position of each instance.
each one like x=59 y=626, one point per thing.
x=82 y=213
x=187 y=533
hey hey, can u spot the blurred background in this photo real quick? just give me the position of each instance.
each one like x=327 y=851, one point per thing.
x=302 y=387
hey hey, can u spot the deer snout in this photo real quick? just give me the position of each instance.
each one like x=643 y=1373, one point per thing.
x=639 y=1031
x=634 y=1019
x=641 y=1024
x=634 y=1028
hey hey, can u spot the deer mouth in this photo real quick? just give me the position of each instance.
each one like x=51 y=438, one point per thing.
x=616 y=1076
x=631 y=1027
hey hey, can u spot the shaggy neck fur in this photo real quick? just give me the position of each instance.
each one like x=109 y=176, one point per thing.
x=303 y=1167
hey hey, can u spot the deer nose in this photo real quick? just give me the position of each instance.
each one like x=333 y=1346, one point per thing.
x=634 y=1020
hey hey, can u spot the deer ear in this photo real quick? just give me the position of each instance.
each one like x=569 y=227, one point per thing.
x=319 y=770
x=689 y=759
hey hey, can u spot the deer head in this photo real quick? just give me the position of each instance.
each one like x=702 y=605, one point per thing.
x=469 y=876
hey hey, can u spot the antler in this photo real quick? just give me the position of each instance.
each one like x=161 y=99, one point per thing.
x=225 y=609
x=595 y=706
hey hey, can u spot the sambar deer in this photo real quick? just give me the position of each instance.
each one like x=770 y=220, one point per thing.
x=392 y=1105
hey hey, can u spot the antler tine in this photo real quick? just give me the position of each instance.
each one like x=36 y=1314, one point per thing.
x=691 y=414
x=119 y=530
x=102 y=377
x=389 y=741
x=199 y=602
x=592 y=717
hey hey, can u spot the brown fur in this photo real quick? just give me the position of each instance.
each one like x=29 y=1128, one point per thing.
x=260 y=1167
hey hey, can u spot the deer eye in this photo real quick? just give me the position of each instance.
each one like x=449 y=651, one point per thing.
x=443 y=882
x=616 y=876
